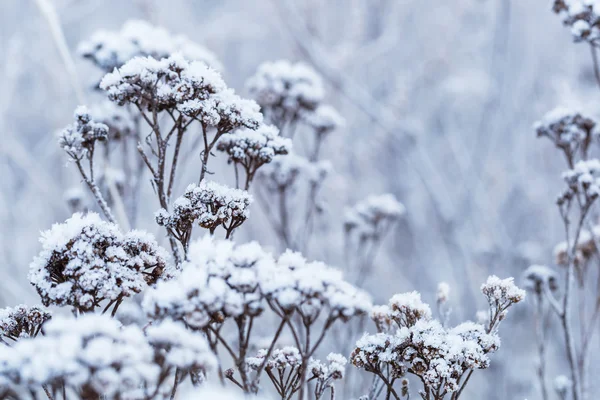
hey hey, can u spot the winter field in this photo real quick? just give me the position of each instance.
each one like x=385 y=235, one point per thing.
x=300 y=199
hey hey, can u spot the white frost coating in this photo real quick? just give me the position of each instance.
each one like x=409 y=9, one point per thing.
x=583 y=16
x=284 y=170
x=109 y=50
x=86 y=260
x=119 y=121
x=567 y=128
x=22 y=321
x=502 y=292
x=78 y=138
x=323 y=119
x=584 y=178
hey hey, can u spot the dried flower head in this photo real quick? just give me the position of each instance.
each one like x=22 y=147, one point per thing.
x=582 y=16
x=283 y=171
x=443 y=292
x=22 y=321
x=584 y=179
x=407 y=308
x=85 y=261
x=78 y=139
x=539 y=277
x=119 y=120
x=567 y=129
x=502 y=293
x=370 y=217
x=109 y=50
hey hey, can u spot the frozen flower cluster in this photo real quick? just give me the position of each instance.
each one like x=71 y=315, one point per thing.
x=280 y=359
x=119 y=121
x=371 y=216
x=221 y=280
x=582 y=16
x=539 y=277
x=109 y=50
x=290 y=86
x=440 y=357
x=312 y=289
x=567 y=129
x=192 y=88
x=226 y=280
x=585 y=248
x=210 y=205
x=94 y=356
x=86 y=260
x=283 y=172
x=583 y=179
x=325 y=374
x=324 y=119
x=22 y=321
x=422 y=346
x=79 y=138
x=253 y=148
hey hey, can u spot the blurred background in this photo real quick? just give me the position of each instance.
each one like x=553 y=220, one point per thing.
x=439 y=100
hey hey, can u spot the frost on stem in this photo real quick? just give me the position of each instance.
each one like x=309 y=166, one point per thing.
x=85 y=261
x=582 y=16
x=568 y=130
x=443 y=358
x=93 y=356
x=251 y=149
x=22 y=321
x=78 y=139
x=109 y=50
x=210 y=205
x=191 y=88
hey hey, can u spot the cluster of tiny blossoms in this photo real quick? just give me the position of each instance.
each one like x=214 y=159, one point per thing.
x=583 y=179
x=253 y=148
x=539 y=277
x=86 y=260
x=567 y=129
x=224 y=280
x=582 y=16
x=422 y=346
x=210 y=205
x=109 y=50
x=22 y=321
x=79 y=138
x=94 y=356
x=119 y=120
x=373 y=214
x=283 y=172
x=585 y=248
x=192 y=88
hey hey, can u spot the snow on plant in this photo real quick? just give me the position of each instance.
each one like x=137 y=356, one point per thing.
x=109 y=50
x=22 y=322
x=251 y=149
x=582 y=16
x=442 y=358
x=324 y=375
x=119 y=120
x=86 y=261
x=210 y=205
x=568 y=130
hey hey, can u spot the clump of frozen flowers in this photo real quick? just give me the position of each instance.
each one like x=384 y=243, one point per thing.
x=109 y=50
x=325 y=374
x=422 y=346
x=175 y=84
x=584 y=179
x=582 y=16
x=567 y=129
x=539 y=277
x=78 y=139
x=221 y=280
x=324 y=119
x=22 y=321
x=86 y=260
x=253 y=148
x=119 y=120
x=585 y=248
x=562 y=385
x=283 y=172
x=370 y=217
x=210 y=205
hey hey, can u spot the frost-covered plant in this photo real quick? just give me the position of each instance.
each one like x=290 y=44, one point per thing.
x=109 y=50
x=86 y=261
x=93 y=356
x=365 y=226
x=442 y=358
x=22 y=322
x=251 y=149
x=582 y=16
x=324 y=375
x=568 y=130
x=210 y=205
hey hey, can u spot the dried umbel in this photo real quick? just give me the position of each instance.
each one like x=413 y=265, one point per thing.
x=119 y=120
x=210 y=205
x=85 y=261
x=251 y=149
x=324 y=119
x=583 y=179
x=407 y=308
x=582 y=16
x=568 y=130
x=109 y=50
x=22 y=321
x=372 y=216
x=324 y=375
x=174 y=84
x=283 y=172
x=78 y=140
x=538 y=278
x=221 y=281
